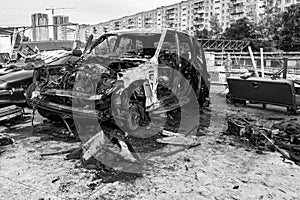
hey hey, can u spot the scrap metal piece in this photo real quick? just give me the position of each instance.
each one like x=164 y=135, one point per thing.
x=180 y=140
x=281 y=151
x=105 y=150
x=10 y=112
x=69 y=129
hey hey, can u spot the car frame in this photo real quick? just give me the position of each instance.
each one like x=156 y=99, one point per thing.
x=16 y=77
x=132 y=83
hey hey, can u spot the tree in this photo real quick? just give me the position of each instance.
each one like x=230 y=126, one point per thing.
x=241 y=29
x=202 y=34
x=289 y=36
x=215 y=27
x=268 y=27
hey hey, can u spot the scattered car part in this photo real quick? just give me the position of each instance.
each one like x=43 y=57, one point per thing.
x=10 y=112
x=279 y=92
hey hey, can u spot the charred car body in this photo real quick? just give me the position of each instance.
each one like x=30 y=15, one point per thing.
x=17 y=76
x=125 y=75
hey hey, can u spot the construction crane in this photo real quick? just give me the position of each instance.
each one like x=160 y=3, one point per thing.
x=52 y=9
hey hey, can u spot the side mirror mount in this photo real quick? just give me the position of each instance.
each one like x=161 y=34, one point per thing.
x=88 y=44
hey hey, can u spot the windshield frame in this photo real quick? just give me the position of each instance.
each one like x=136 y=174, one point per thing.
x=102 y=38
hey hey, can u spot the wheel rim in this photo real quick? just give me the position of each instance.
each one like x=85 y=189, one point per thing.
x=133 y=119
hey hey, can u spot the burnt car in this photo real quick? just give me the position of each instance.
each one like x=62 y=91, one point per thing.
x=126 y=76
x=17 y=76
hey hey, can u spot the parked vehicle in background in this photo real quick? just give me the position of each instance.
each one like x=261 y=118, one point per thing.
x=124 y=75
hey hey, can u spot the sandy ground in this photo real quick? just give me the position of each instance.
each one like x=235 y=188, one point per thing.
x=220 y=168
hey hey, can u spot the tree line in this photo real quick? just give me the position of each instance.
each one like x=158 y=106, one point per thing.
x=274 y=30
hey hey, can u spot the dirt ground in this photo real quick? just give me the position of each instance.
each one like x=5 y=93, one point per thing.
x=220 y=168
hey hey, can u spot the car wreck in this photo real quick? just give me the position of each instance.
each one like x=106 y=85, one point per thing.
x=16 y=76
x=126 y=76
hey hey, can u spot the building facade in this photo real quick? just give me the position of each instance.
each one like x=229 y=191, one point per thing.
x=60 y=32
x=284 y=4
x=40 y=31
x=191 y=15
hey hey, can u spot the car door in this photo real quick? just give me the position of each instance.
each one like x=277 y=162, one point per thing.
x=185 y=64
x=168 y=64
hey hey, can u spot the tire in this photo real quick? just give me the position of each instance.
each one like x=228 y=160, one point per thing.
x=133 y=118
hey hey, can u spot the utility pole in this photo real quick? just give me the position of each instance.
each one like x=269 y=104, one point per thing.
x=52 y=18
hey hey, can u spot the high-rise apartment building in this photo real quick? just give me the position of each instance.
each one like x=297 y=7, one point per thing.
x=284 y=4
x=195 y=14
x=40 y=31
x=60 y=32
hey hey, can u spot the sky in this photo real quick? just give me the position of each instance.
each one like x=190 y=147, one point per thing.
x=18 y=12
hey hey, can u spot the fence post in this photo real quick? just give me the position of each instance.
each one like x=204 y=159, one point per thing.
x=262 y=66
x=253 y=61
x=285 y=62
x=228 y=65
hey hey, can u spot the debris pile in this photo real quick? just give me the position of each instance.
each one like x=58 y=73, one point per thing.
x=283 y=137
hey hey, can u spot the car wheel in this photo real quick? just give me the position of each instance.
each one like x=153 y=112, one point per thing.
x=133 y=119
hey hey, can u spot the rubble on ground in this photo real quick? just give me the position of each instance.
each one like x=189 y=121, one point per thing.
x=283 y=137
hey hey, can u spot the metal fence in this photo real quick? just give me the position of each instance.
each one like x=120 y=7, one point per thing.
x=241 y=62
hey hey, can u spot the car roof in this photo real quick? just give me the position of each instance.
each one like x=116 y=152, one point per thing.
x=144 y=30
